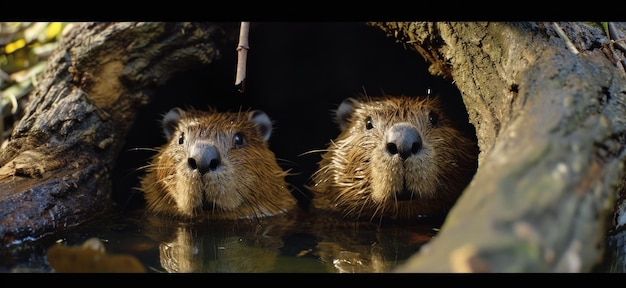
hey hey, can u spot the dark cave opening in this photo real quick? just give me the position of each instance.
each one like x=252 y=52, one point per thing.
x=297 y=72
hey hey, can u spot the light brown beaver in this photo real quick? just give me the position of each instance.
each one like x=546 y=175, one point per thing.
x=397 y=157
x=216 y=165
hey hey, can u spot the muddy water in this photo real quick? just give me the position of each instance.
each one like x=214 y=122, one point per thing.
x=299 y=245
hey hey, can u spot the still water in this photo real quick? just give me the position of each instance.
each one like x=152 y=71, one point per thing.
x=301 y=244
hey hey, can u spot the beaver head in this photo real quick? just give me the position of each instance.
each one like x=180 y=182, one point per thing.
x=396 y=157
x=216 y=165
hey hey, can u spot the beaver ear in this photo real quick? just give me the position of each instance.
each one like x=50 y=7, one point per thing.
x=262 y=122
x=344 y=112
x=170 y=120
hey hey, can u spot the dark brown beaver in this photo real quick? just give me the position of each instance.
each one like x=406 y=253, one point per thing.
x=397 y=157
x=216 y=165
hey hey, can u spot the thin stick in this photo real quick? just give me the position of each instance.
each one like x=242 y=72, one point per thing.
x=242 y=55
x=568 y=42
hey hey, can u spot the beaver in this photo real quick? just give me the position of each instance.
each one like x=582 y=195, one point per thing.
x=396 y=157
x=216 y=165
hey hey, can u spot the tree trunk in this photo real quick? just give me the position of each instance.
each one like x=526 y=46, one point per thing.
x=550 y=123
x=56 y=169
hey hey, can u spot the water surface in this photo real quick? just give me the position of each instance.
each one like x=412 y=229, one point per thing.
x=318 y=244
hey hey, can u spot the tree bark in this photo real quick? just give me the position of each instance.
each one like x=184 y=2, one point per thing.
x=56 y=169
x=550 y=126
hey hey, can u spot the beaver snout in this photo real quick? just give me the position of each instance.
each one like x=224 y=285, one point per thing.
x=403 y=139
x=204 y=157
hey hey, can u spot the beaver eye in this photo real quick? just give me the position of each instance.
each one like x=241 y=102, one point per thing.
x=181 y=138
x=433 y=119
x=368 y=123
x=239 y=140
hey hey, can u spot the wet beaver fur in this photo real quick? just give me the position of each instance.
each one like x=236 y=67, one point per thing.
x=216 y=165
x=396 y=157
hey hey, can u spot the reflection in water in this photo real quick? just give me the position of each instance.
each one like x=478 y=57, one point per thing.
x=284 y=244
x=220 y=246
x=351 y=247
x=302 y=244
x=199 y=254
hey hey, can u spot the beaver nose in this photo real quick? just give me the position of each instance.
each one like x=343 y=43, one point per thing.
x=204 y=157
x=403 y=139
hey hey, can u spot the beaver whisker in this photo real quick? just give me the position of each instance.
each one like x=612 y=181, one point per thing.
x=312 y=152
x=379 y=210
x=163 y=181
x=258 y=211
x=286 y=161
x=211 y=207
x=157 y=167
x=149 y=149
x=144 y=167
x=207 y=205
x=301 y=193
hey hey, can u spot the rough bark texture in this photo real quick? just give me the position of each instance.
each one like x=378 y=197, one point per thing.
x=550 y=125
x=55 y=171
